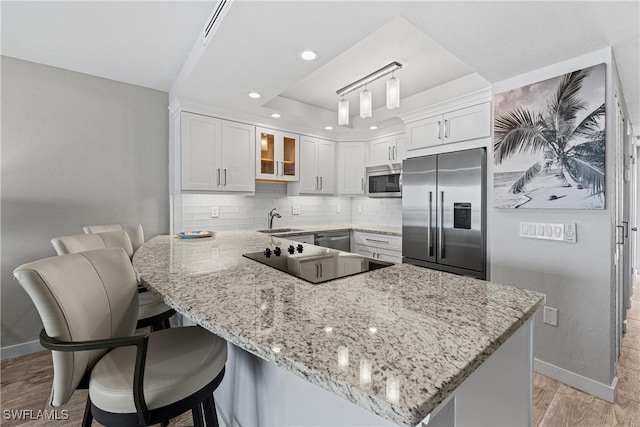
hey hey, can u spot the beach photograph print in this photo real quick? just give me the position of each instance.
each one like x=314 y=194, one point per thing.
x=549 y=143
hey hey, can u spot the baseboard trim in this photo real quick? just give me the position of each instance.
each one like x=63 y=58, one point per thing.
x=20 y=349
x=595 y=388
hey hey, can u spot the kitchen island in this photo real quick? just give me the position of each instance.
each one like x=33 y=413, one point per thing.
x=396 y=346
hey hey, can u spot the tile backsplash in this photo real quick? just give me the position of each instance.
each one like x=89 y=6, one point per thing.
x=376 y=211
x=250 y=212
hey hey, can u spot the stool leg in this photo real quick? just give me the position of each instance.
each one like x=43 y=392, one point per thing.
x=197 y=416
x=210 y=414
x=87 y=418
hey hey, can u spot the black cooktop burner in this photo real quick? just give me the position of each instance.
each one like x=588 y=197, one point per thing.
x=316 y=264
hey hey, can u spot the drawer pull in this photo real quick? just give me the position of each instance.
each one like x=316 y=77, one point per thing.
x=377 y=241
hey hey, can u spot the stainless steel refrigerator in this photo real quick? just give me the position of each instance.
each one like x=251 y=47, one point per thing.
x=443 y=212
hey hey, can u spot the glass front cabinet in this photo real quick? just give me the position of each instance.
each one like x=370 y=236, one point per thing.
x=277 y=155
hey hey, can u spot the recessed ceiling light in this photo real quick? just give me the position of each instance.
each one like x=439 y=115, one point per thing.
x=374 y=127
x=254 y=95
x=308 y=55
x=276 y=115
x=328 y=127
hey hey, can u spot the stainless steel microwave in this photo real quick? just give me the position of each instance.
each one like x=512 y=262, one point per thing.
x=384 y=181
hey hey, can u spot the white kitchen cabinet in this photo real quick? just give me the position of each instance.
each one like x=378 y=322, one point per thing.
x=351 y=168
x=237 y=154
x=378 y=246
x=317 y=166
x=378 y=253
x=386 y=150
x=277 y=155
x=318 y=268
x=216 y=155
x=454 y=126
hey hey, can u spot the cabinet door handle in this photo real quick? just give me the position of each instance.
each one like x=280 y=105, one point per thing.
x=395 y=153
x=439 y=123
x=281 y=168
x=317 y=271
x=321 y=270
x=446 y=131
x=277 y=171
x=225 y=177
x=218 y=177
x=316 y=183
x=362 y=184
x=320 y=183
x=389 y=154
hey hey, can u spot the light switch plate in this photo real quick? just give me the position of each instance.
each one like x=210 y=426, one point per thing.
x=549 y=231
x=359 y=208
x=215 y=211
x=570 y=232
x=295 y=210
x=338 y=209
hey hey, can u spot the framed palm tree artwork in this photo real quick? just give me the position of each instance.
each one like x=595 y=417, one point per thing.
x=549 y=143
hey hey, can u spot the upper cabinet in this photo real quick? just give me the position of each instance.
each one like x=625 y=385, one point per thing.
x=351 y=168
x=277 y=155
x=318 y=159
x=386 y=150
x=216 y=155
x=454 y=126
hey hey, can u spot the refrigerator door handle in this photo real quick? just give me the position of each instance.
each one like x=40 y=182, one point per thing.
x=429 y=245
x=441 y=226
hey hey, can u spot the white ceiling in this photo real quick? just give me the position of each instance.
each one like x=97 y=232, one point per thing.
x=425 y=65
x=257 y=45
x=143 y=43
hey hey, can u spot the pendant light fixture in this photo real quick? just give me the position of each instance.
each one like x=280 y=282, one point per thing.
x=343 y=112
x=393 y=92
x=366 y=105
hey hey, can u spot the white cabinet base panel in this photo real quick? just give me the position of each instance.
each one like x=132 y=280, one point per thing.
x=255 y=392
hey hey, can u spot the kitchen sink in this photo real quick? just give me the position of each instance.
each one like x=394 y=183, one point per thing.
x=278 y=230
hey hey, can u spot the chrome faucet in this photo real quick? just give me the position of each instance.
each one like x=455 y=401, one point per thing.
x=271 y=216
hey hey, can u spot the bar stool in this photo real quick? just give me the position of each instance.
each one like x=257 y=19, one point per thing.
x=88 y=305
x=152 y=311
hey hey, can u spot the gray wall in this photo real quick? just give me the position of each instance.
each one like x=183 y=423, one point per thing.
x=577 y=278
x=76 y=150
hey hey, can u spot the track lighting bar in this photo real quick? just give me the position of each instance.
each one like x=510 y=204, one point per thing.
x=387 y=69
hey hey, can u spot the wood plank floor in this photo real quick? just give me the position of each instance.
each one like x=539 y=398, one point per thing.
x=25 y=383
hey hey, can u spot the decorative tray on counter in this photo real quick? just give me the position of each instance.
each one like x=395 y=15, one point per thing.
x=196 y=234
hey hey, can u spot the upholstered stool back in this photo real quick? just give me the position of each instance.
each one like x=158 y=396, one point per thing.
x=135 y=232
x=87 y=296
x=86 y=242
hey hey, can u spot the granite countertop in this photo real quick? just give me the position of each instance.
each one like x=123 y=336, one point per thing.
x=307 y=229
x=395 y=341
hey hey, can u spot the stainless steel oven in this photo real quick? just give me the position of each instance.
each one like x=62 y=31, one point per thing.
x=384 y=181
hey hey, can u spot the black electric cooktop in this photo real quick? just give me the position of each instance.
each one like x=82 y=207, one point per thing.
x=316 y=264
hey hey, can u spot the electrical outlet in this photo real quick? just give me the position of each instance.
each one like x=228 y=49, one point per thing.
x=550 y=316
x=215 y=211
x=295 y=210
x=338 y=208
x=359 y=209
